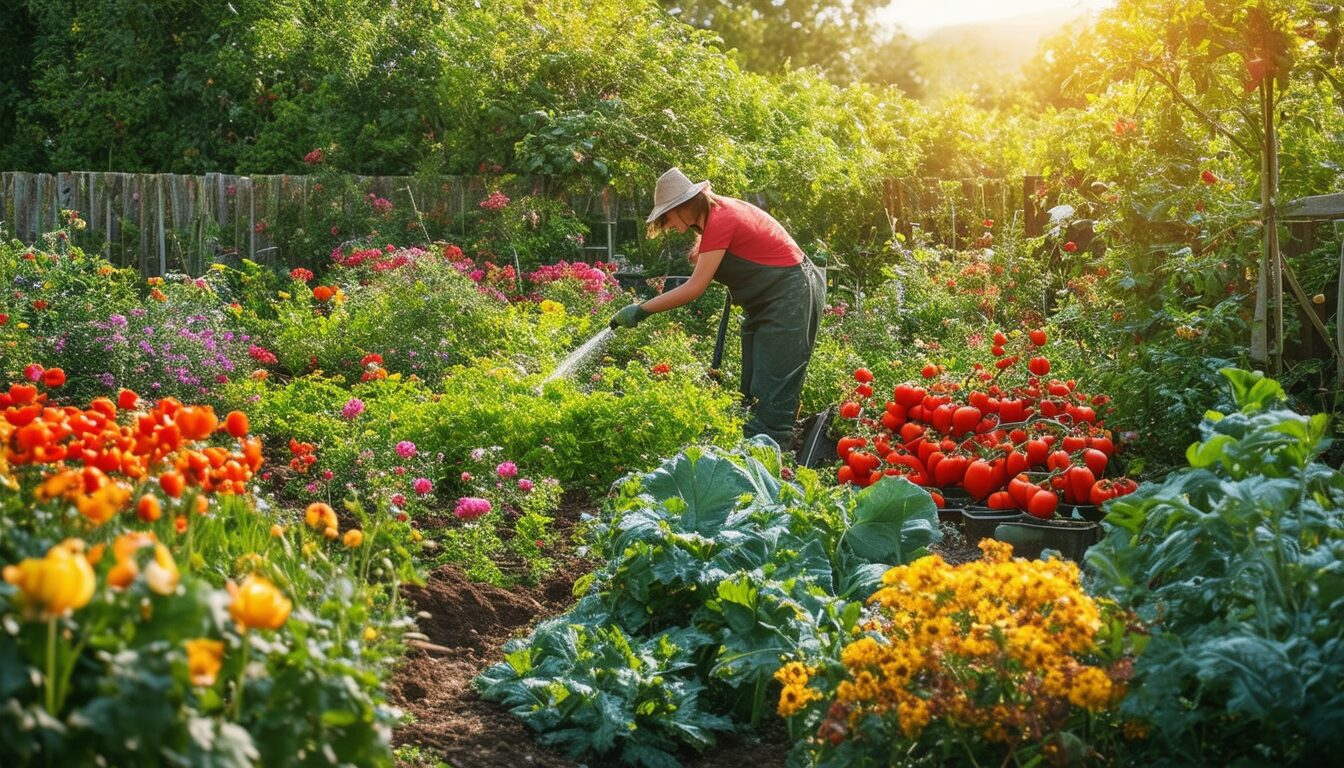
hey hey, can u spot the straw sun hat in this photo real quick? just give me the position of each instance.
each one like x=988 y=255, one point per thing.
x=672 y=189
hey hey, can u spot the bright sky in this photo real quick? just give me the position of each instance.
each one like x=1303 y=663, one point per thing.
x=919 y=17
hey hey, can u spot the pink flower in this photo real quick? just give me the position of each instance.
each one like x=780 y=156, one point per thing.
x=399 y=470
x=471 y=508
x=398 y=500
x=335 y=230
x=32 y=372
x=524 y=484
x=422 y=485
x=477 y=454
x=353 y=407
x=327 y=474
x=314 y=157
x=507 y=469
x=466 y=477
x=406 y=449
x=495 y=201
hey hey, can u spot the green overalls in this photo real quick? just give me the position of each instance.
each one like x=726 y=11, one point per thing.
x=782 y=312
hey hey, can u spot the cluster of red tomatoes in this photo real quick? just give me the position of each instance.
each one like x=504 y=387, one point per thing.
x=1026 y=446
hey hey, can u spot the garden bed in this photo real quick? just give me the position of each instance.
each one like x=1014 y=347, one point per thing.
x=467 y=624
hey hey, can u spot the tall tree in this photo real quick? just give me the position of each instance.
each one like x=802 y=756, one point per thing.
x=839 y=36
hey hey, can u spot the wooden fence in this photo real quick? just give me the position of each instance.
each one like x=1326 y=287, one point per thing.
x=170 y=222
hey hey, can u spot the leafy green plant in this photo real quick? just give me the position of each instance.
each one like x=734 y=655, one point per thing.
x=714 y=571
x=1233 y=563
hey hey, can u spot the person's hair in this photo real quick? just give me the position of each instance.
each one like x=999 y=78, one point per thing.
x=691 y=210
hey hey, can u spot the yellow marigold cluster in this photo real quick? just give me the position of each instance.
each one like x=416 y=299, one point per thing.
x=997 y=647
x=795 y=694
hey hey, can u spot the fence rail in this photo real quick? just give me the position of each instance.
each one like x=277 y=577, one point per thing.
x=162 y=222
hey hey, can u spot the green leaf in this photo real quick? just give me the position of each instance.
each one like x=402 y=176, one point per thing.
x=710 y=485
x=1209 y=452
x=1252 y=390
x=893 y=518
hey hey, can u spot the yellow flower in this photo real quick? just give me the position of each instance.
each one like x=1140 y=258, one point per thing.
x=283 y=295
x=61 y=582
x=204 y=657
x=218 y=267
x=370 y=634
x=353 y=538
x=161 y=573
x=549 y=307
x=22 y=326
x=258 y=604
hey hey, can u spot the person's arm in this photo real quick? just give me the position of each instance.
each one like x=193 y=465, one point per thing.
x=706 y=264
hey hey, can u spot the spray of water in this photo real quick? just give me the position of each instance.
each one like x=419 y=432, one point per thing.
x=580 y=356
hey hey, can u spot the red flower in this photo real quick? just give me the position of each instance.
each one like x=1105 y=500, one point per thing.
x=301 y=274
x=661 y=369
x=1070 y=247
x=314 y=157
x=372 y=357
x=1208 y=177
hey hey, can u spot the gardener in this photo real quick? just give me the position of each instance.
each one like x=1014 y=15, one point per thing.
x=780 y=291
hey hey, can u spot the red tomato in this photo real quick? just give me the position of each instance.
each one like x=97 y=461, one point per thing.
x=978 y=479
x=1095 y=461
x=1039 y=366
x=1043 y=505
x=850 y=410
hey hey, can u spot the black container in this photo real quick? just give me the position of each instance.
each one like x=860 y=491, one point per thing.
x=1031 y=536
x=980 y=522
x=1089 y=512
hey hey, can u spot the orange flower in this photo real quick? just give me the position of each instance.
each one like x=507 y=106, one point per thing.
x=353 y=538
x=204 y=658
x=148 y=508
x=258 y=604
x=320 y=515
x=236 y=424
x=323 y=293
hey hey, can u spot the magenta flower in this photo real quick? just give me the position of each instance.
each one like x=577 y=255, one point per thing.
x=524 y=485
x=507 y=469
x=471 y=508
x=406 y=449
x=422 y=485
x=353 y=407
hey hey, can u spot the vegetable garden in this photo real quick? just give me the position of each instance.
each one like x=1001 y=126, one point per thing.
x=1050 y=509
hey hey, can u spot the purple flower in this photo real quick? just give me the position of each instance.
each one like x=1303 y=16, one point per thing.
x=471 y=508
x=406 y=449
x=507 y=469
x=524 y=484
x=353 y=407
x=422 y=485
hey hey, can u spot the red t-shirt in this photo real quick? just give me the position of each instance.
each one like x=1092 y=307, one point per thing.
x=748 y=233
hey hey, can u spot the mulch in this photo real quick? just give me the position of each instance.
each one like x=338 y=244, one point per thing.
x=467 y=624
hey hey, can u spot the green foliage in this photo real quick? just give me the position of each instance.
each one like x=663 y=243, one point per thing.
x=1233 y=563
x=714 y=570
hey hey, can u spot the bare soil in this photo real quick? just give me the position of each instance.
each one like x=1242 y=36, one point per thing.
x=467 y=625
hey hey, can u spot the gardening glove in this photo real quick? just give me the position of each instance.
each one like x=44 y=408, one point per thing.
x=628 y=317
